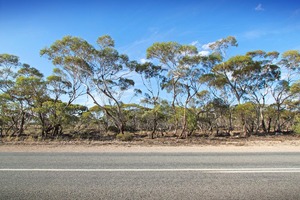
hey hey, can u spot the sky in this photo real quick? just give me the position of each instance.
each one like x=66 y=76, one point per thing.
x=28 y=26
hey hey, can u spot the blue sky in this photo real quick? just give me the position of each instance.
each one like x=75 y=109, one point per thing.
x=28 y=26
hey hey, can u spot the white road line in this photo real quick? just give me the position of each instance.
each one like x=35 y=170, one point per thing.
x=224 y=170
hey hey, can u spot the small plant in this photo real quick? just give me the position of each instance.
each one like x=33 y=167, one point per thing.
x=125 y=136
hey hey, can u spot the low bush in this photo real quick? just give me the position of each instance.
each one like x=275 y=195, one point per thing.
x=125 y=136
x=296 y=127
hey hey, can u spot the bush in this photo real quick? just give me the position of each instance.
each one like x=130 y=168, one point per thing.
x=125 y=136
x=113 y=129
x=296 y=127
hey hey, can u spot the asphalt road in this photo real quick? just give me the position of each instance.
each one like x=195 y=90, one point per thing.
x=149 y=176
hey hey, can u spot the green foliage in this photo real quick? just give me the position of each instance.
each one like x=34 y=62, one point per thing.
x=291 y=59
x=103 y=72
x=125 y=137
x=8 y=60
x=125 y=83
x=28 y=99
x=105 y=41
x=220 y=46
x=296 y=126
x=247 y=108
x=295 y=88
x=246 y=114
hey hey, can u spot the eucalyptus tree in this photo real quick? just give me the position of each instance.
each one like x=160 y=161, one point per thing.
x=190 y=71
x=8 y=66
x=198 y=115
x=152 y=79
x=217 y=78
x=7 y=113
x=61 y=87
x=30 y=89
x=244 y=76
x=26 y=92
x=282 y=92
x=232 y=75
x=295 y=107
x=22 y=87
x=248 y=111
x=285 y=88
x=221 y=46
x=262 y=77
x=103 y=72
x=182 y=78
x=63 y=91
x=168 y=55
x=291 y=61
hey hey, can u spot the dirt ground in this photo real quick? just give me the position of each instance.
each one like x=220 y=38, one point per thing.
x=281 y=143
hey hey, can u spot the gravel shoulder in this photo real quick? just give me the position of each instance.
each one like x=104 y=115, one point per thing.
x=252 y=145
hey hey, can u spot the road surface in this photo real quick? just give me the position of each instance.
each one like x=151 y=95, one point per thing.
x=150 y=175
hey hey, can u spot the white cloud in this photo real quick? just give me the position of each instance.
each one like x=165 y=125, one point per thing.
x=144 y=60
x=259 y=7
x=207 y=46
x=195 y=43
x=204 y=53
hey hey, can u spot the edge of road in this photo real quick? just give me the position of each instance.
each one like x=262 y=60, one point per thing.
x=147 y=149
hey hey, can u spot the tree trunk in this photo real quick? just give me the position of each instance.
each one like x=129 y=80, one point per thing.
x=174 y=82
x=262 y=117
x=154 y=125
x=121 y=127
x=8 y=129
x=183 y=132
x=43 y=123
x=269 y=125
x=244 y=123
x=57 y=130
x=22 y=123
x=278 y=129
x=230 y=122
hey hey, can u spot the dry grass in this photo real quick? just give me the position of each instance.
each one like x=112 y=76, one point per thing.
x=167 y=140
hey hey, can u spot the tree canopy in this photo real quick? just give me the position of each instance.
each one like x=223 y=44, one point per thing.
x=180 y=91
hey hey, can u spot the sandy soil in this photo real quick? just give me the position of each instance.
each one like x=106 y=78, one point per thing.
x=253 y=145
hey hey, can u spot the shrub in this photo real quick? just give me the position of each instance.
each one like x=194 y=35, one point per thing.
x=125 y=136
x=113 y=129
x=296 y=127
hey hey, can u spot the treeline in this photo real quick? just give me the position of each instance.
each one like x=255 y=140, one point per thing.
x=184 y=91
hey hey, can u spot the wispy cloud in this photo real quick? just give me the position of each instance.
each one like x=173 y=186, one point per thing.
x=296 y=12
x=258 y=33
x=207 y=46
x=253 y=34
x=138 y=47
x=259 y=7
x=195 y=43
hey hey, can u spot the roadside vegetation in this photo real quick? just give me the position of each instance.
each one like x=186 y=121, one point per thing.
x=183 y=92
